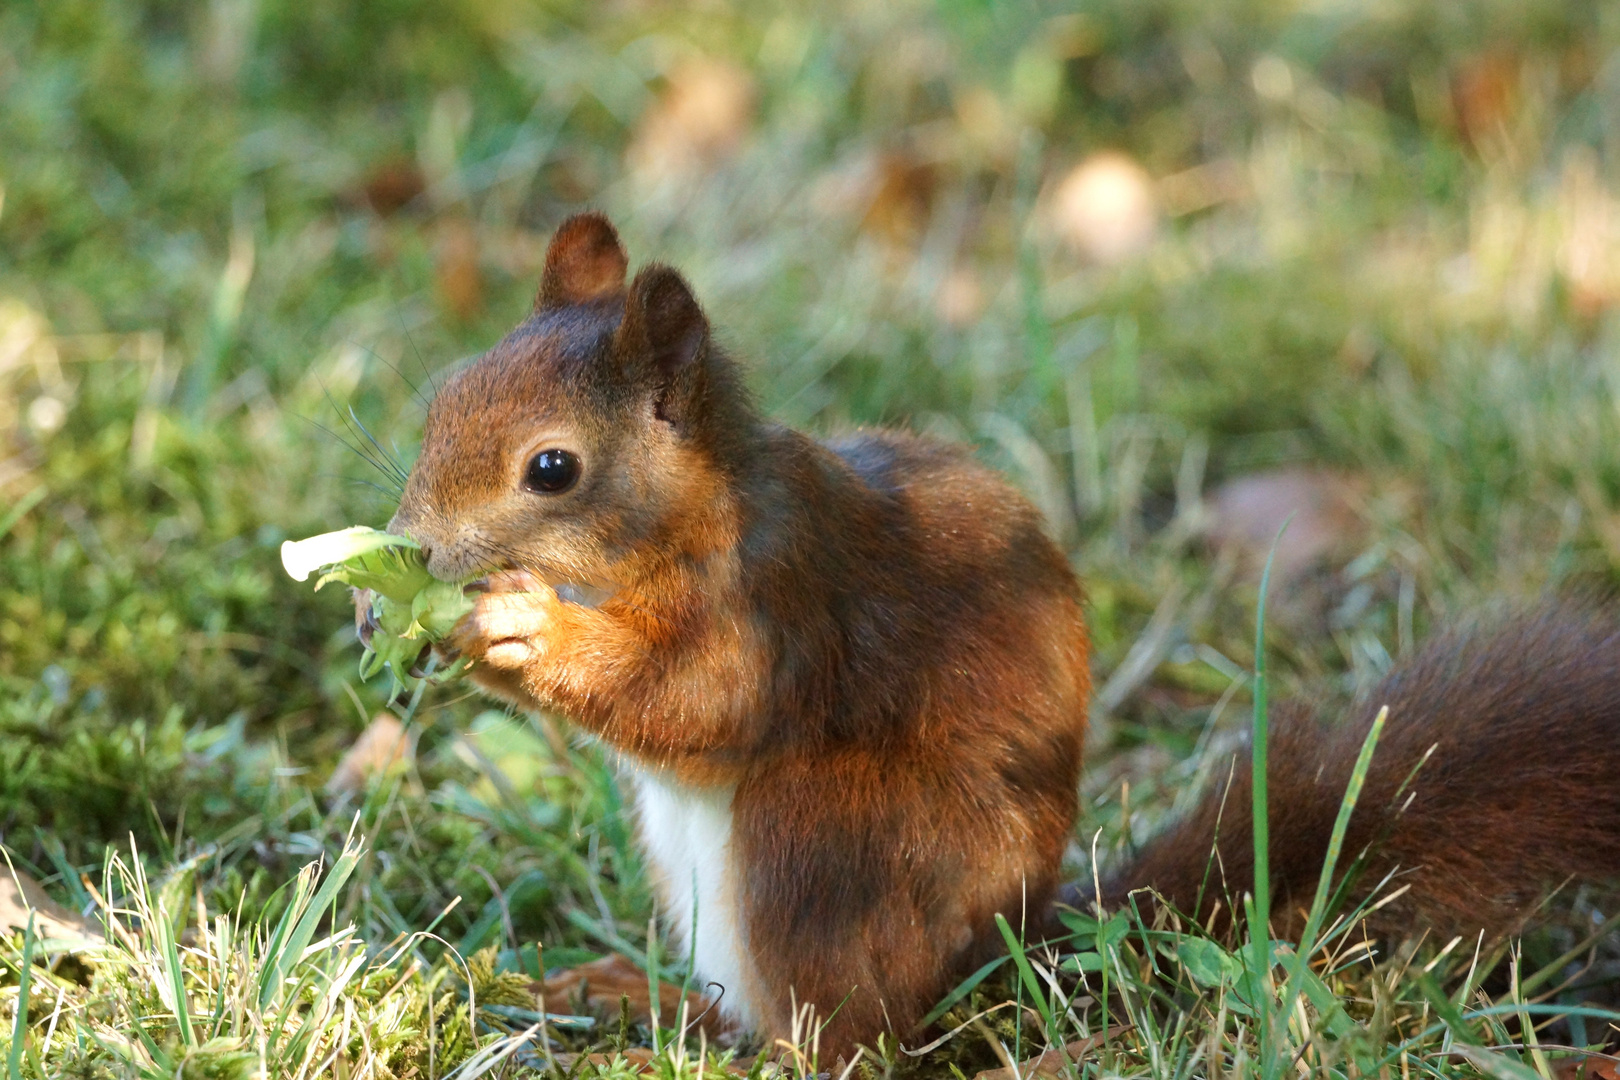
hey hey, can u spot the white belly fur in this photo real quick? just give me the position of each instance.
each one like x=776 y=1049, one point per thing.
x=686 y=834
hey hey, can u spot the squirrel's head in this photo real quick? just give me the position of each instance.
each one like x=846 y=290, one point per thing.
x=599 y=430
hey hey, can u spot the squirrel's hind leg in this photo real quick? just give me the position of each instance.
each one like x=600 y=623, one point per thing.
x=871 y=884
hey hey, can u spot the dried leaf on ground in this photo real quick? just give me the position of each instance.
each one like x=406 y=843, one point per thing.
x=384 y=746
x=1593 y=1067
x=393 y=185
x=456 y=263
x=1327 y=520
x=601 y=984
x=1053 y=1062
x=21 y=894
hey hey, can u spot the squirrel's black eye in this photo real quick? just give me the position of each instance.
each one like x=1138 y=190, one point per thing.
x=551 y=472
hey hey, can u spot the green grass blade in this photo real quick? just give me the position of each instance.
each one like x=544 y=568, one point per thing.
x=19 y=1026
x=298 y=894
x=1301 y=978
x=164 y=929
x=653 y=979
x=1026 y=973
x=1341 y=825
x=291 y=948
x=1495 y=1065
x=20 y=509
x=963 y=989
x=1260 y=906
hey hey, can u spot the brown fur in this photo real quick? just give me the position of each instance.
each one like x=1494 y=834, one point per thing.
x=871 y=638
x=872 y=644
x=1519 y=794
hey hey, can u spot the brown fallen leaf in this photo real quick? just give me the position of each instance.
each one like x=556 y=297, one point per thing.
x=1485 y=95
x=602 y=983
x=383 y=746
x=1053 y=1062
x=904 y=187
x=1592 y=1067
x=456 y=265
x=960 y=299
x=393 y=185
x=1328 y=521
x=21 y=895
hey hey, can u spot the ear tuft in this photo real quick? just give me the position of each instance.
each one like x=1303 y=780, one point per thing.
x=584 y=262
x=662 y=320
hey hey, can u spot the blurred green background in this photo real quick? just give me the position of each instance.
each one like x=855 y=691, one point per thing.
x=1179 y=267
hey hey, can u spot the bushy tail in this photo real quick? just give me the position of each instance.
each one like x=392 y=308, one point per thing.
x=1496 y=778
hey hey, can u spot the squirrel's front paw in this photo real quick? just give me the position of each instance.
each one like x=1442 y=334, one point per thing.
x=509 y=622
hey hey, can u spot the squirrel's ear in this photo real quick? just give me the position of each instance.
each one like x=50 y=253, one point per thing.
x=584 y=262
x=662 y=324
x=664 y=335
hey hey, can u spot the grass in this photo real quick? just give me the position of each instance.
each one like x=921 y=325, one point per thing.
x=234 y=232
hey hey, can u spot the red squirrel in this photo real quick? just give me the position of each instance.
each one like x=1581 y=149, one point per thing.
x=846 y=680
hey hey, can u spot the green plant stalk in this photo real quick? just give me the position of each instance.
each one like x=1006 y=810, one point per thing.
x=1260 y=906
x=652 y=984
x=1527 y=1030
x=691 y=947
x=1556 y=966
x=1298 y=967
x=1102 y=998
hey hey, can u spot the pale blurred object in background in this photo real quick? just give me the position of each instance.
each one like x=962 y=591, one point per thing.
x=700 y=119
x=1106 y=209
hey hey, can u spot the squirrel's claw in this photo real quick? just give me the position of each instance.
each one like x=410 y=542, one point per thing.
x=419 y=666
x=365 y=618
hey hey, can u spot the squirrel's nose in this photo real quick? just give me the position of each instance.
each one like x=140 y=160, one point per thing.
x=427 y=553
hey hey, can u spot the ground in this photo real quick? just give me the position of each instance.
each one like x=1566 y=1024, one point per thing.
x=1167 y=263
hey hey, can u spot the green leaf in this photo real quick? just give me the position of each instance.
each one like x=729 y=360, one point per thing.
x=1208 y=964
x=1080 y=924
x=438 y=607
x=1113 y=931
x=1082 y=961
x=1326 y=1003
